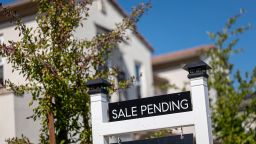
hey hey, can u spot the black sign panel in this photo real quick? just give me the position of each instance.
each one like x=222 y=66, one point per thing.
x=151 y=106
x=185 y=139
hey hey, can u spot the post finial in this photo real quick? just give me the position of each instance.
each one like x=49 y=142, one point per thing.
x=197 y=69
x=98 y=86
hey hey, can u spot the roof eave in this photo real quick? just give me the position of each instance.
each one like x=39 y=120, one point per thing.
x=188 y=54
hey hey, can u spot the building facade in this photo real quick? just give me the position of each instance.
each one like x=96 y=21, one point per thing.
x=133 y=57
x=169 y=75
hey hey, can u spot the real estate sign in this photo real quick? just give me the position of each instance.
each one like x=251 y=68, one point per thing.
x=154 y=113
x=151 y=106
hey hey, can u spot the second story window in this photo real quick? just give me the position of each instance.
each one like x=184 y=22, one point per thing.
x=1 y=64
x=102 y=30
x=123 y=94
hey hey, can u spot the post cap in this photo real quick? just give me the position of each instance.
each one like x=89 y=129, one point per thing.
x=197 y=69
x=98 y=86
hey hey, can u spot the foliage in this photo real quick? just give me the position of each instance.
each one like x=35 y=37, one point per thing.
x=160 y=133
x=234 y=112
x=22 y=140
x=57 y=66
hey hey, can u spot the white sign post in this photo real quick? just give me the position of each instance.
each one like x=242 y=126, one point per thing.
x=199 y=117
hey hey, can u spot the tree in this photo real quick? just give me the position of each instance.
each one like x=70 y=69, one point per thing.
x=233 y=115
x=57 y=66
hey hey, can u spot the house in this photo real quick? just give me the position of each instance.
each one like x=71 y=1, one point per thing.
x=133 y=57
x=169 y=75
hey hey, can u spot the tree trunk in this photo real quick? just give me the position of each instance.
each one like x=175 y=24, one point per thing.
x=51 y=128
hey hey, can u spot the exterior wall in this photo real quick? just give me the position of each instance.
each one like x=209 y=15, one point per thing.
x=175 y=75
x=14 y=110
x=7 y=116
x=24 y=126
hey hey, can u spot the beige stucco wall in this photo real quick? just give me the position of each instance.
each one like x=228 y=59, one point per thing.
x=175 y=75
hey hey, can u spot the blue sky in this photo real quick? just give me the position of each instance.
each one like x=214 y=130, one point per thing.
x=172 y=25
x=6 y=1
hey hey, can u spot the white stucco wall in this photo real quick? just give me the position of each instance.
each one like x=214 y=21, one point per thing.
x=14 y=111
x=23 y=125
x=7 y=116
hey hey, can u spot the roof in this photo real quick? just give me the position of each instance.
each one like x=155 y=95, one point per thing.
x=179 y=56
x=28 y=7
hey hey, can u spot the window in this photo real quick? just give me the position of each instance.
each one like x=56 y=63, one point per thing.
x=1 y=64
x=138 y=79
x=122 y=93
x=102 y=30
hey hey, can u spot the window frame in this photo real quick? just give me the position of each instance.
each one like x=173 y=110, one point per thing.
x=99 y=29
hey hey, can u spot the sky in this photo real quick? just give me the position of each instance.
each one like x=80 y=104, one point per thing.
x=172 y=25
x=6 y=1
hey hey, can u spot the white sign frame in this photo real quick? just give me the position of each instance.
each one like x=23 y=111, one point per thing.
x=199 y=117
